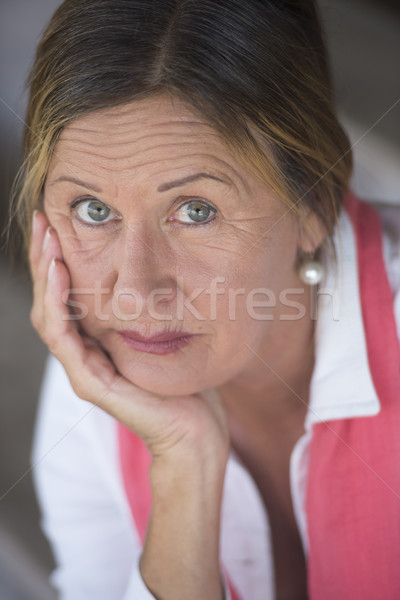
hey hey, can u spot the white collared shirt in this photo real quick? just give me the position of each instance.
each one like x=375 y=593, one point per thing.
x=86 y=515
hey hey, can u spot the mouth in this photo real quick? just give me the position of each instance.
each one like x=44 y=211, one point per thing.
x=162 y=343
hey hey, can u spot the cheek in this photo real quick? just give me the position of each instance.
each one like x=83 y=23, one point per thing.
x=92 y=280
x=88 y=255
x=88 y=262
x=88 y=269
x=248 y=298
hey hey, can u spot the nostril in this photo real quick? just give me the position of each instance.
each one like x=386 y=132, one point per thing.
x=130 y=302
x=161 y=296
x=127 y=303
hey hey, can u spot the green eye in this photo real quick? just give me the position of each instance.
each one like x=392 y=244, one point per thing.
x=94 y=211
x=195 y=212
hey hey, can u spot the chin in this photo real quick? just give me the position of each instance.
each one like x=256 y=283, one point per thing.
x=162 y=387
x=177 y=374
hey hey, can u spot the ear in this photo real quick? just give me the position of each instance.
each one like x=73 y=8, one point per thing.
x=311 y=232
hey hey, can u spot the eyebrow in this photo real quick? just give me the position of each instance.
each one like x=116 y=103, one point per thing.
x=164 y=187
x=179 y=182
x=89 y=186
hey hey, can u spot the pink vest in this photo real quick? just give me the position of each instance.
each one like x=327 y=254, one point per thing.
x=353 y=490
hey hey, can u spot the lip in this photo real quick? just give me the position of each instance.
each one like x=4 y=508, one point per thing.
x=161 y=343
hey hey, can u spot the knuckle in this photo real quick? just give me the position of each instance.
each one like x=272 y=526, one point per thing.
x=34 y=318
x=51 y=342
x=80 y=389
x=50 y=339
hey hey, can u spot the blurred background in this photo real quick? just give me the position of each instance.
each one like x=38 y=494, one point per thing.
x=364 y=41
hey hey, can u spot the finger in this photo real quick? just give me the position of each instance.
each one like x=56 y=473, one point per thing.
x=92 y=375
x=50 y=249
x=158 y=421
x=40 y=224
x=90 y=371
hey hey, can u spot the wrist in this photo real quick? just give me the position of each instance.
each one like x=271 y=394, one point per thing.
x=185 y=522
x=200 y=466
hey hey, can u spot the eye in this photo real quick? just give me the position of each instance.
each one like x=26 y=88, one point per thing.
x=93 y=212
x=194 y=212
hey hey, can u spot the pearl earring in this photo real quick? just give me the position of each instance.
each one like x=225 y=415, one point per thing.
x=311 y=271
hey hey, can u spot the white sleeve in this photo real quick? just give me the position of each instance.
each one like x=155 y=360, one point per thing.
x=85 y=514
x=390 y=216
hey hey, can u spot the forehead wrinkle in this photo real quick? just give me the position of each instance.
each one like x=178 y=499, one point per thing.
x=141 y=159
x=71 y=145
x=208 y=162
x=148 y=141
x=122 y=142
x=128 y=139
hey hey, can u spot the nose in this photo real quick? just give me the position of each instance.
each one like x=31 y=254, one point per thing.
x=145 y=282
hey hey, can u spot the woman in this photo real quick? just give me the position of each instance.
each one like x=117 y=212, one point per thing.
x=206 y=284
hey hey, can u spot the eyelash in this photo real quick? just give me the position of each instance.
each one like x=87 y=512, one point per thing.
x=74 y=205
x=192 y=200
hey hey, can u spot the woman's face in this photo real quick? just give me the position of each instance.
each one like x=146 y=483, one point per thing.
x=163 y=229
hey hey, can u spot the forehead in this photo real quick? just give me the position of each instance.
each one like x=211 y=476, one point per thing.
x=159 y=134
x=145 y=145
x=140 y=111
x=140 y=122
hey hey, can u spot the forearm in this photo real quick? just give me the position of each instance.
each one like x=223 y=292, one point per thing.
x=180 y=559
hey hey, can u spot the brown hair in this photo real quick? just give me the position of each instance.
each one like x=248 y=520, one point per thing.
x=257 y=71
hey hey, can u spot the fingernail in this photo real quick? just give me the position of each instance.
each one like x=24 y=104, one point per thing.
x=51 y=268
x=46 y=238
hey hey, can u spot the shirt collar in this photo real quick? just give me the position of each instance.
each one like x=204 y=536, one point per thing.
x=341 y=384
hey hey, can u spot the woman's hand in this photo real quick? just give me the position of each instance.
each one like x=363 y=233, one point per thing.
x=168 y=425
x=187 y=436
